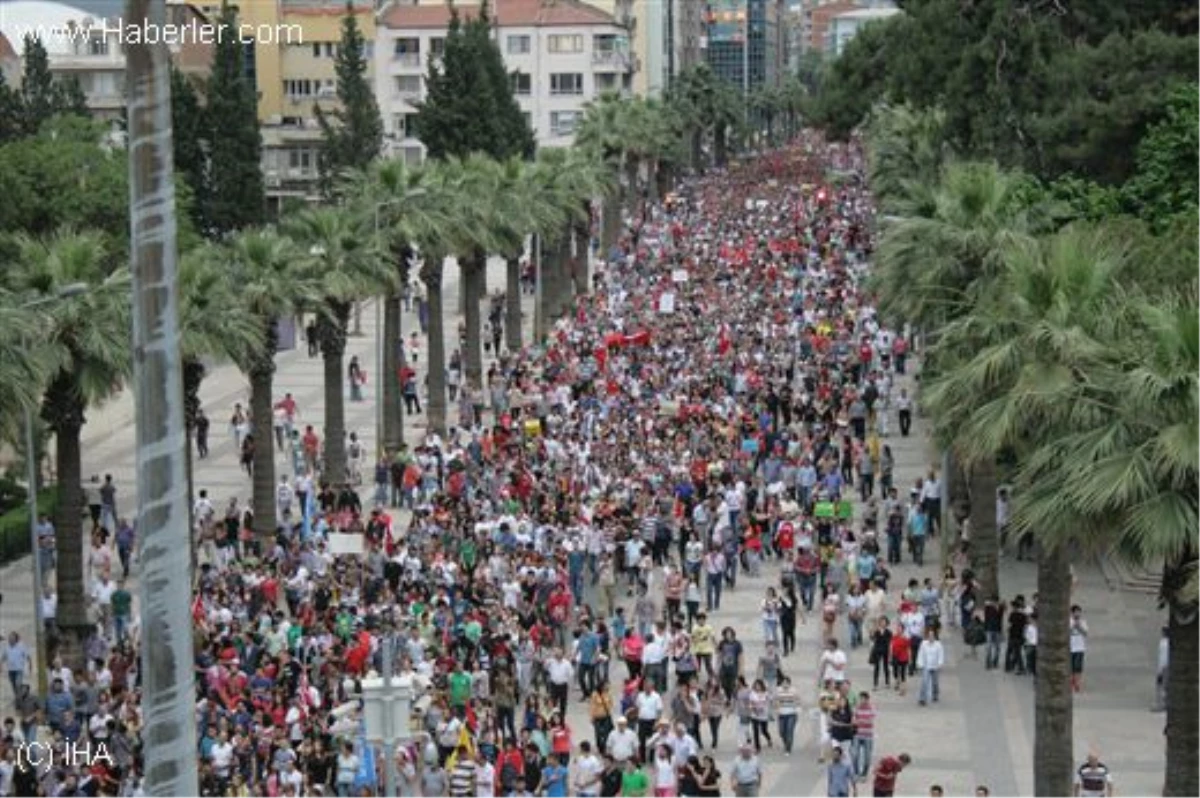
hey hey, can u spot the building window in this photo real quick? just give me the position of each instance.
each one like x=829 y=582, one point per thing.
x=518 y=45
x=300 y=89
x=400 y=125
x=97 y=47
x=407 y=85
x=604 y=45
x=522 y=84
x=300 y=160
x=437 y=46
x=566 y=83
x=562 y=123
x=606 y=81
x=412 y=156
x=565 y=43
x=528 y=117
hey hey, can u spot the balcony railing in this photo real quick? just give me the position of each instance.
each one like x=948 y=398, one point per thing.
x=612 y=59
x=407 y=59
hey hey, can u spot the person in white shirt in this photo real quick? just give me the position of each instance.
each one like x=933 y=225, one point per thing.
x=1079 y=635
x=588 y=770
x=930 y=659
x=559 y=672
x=931 y=501
x=649 y=706
x=221 y=755
x=485 y=776
x=622 y=743
x=833 y=663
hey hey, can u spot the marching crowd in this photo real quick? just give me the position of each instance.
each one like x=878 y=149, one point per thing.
x=717 y=407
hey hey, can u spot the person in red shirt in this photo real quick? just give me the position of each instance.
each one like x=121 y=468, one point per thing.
x=886 y=773
x=901 y=653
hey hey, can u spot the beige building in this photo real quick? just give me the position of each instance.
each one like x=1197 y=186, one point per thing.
x=562 y=53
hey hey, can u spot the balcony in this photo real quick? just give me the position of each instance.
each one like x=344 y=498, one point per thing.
x=407 y=60
x=610 y=61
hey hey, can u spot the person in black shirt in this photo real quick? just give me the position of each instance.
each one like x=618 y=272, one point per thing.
x=610 y=779
x=1017 y=620
x=993 y=627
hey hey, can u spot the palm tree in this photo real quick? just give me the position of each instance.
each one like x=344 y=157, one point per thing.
x=88 y=335
x=263 y=266
x=341 y=260
x=933 y=268
x=393 y=193
x=1025 y=361
x=532 y=209
x=1131 y=476
x=602 y=132
x=23 y=362
x=213 y=324
x=907 y=155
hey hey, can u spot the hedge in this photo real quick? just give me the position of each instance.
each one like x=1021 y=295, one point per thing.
x=14 y=525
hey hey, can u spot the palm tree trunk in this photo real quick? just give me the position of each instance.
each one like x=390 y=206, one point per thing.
x=652 y=183
x=436 y=409
x=721 y=144
x=632 y=190
x=581 y=276
x=563 y=270
x=610 y=223
x=262 y=417
x=72 y=589
x=1182 y=706
x=389 y=380
x=697 y=144
x=985 y=541
x=193 y=377
x=512 y=304
x=473 y=266
x=164 y=509
x=332 y=333
x=665 y=179
x=1053 y=741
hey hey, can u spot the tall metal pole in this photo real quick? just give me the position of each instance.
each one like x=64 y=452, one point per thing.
x=539 y=312
x=167 y=674
x=389 y=724
x=32 y=498
x=379 y=397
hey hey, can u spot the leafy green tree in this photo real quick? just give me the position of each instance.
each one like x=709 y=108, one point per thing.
x=39 y=96
x=236 y=196
x=11 y=112
x=353 y=134
x=65 y=177
x=190 y=136
x=1163 y=186
x=469 y=105
x=69 y=97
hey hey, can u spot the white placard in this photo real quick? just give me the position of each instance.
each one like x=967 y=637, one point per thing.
x=341 y=543
x=666 y=302
x=679 y=275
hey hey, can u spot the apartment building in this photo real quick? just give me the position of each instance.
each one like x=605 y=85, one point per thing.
x=817 y=20
x=562 y=53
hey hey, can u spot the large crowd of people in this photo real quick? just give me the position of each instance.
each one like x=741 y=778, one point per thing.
x=717 y=407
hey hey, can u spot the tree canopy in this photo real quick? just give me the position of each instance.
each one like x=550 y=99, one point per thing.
x=469 y=105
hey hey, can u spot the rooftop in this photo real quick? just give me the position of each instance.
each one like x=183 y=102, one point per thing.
x=506 y=13
x=869 y=13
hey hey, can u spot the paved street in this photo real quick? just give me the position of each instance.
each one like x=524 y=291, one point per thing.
x=981 y=732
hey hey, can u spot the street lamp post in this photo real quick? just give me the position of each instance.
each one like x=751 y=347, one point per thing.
x=31 y=497
x=387 y=707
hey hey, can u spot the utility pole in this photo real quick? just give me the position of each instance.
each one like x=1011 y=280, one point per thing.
x=164 y=531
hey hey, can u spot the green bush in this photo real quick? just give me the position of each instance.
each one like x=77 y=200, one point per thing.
x=14 y=525
x=12 y=493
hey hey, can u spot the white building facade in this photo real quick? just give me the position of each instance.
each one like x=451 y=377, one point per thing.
x=562 y=55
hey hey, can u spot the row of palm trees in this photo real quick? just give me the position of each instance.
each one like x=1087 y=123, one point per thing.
x=73 y=350
x=1069 y=353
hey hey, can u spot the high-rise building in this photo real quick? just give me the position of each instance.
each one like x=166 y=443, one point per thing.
x=747 y=42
